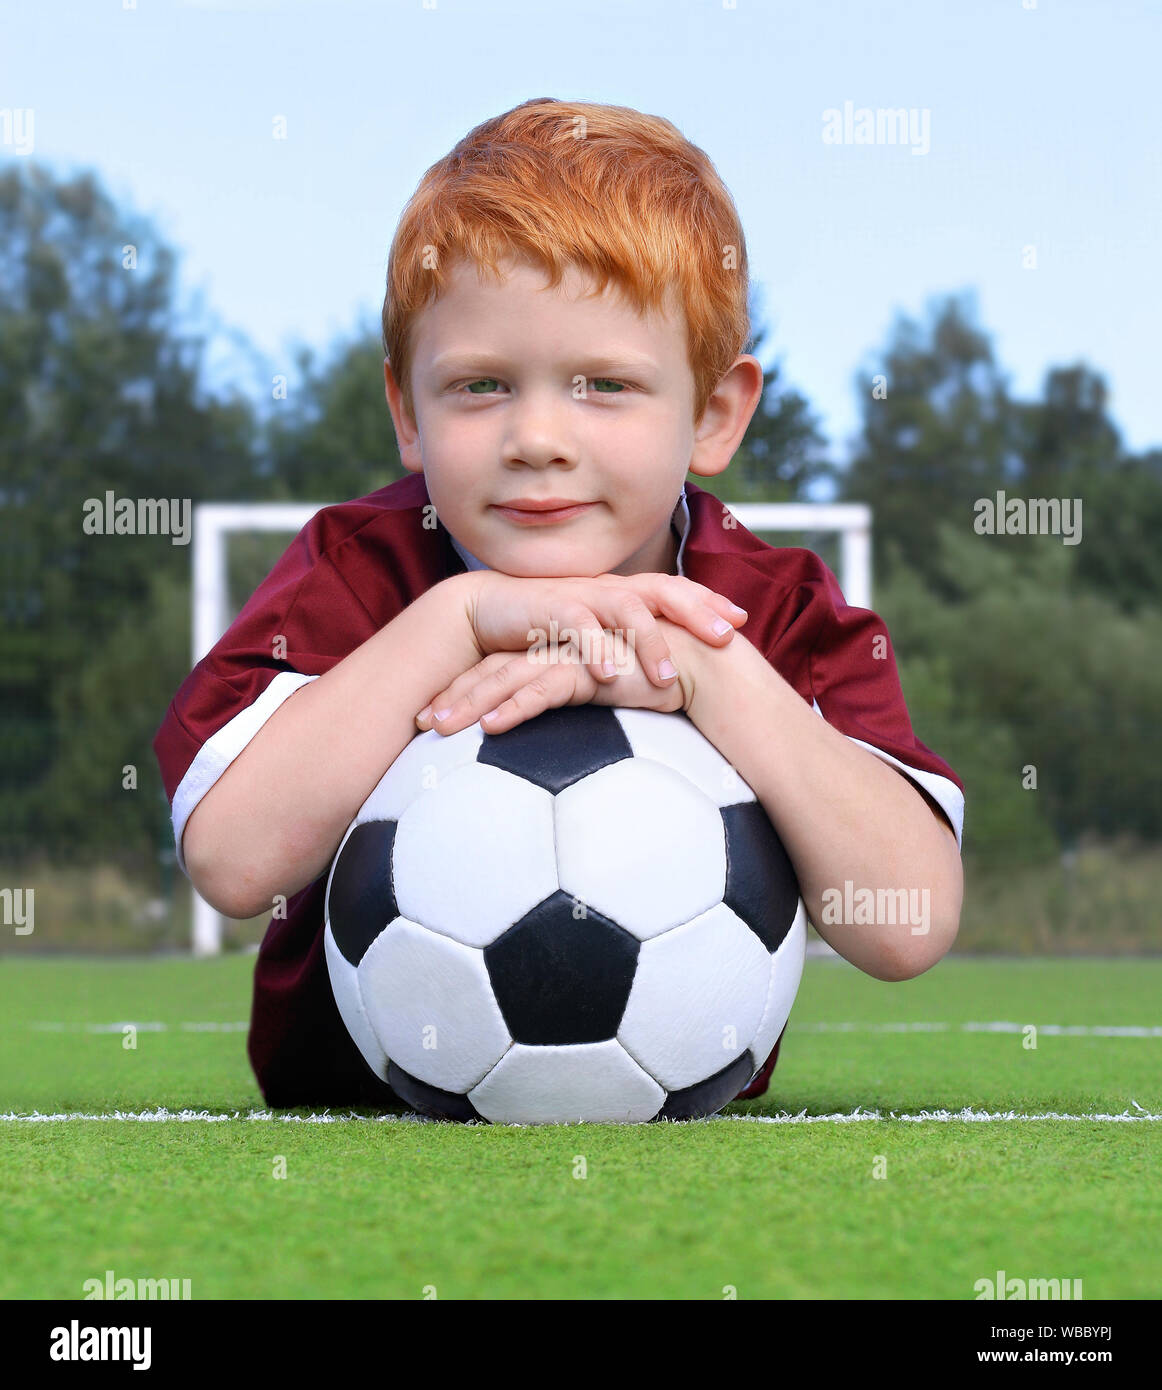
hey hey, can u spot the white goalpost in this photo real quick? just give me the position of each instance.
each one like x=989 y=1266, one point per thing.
x=215 y=521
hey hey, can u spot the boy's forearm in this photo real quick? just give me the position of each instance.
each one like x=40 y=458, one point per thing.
x=273 y=820
x=848 y=820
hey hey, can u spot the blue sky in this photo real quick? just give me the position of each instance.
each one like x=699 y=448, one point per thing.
x=1036 y=124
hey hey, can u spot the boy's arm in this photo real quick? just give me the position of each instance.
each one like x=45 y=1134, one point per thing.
x=272 y=822
x=844 y=816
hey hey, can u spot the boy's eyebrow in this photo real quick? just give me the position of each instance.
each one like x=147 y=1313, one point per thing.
x=466 y=361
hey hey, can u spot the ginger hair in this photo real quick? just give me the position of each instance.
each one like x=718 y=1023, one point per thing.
x=609 y=190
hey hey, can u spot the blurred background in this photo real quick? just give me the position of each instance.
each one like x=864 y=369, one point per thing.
x=196 y=205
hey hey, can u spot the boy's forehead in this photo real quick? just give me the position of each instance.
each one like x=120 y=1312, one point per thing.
x=473 y=297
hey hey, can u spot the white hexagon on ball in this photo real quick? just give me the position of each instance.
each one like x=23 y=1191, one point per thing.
x=677 y=743
x=721 y=971
x=640 y=844
x=419 y=769
x=475 y=854
x=597 y=1083
x=450 y=1033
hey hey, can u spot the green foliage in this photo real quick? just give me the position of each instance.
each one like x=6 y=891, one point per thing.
x=99 y=392
x=110 y=707
x=1034 y=671
x=332 y=437
x=1119 y=555
x=1016 y=651
x=938 y=432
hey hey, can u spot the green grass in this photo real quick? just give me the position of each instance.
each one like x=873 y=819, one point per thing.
x=385 y=1209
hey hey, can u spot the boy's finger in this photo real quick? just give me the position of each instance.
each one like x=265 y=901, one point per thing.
x=594 y=647
x=451 y=696
x=702 y=611
x=633 y=618
x=530 y=698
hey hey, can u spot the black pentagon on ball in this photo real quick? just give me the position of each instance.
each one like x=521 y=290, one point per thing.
x=709 y=1096
x=562 y=979
x=559 y=747
x=429 y=1100
x=361 y=899
x=761 y=886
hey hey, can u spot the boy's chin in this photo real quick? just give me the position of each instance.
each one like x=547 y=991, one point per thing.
x=561 y=569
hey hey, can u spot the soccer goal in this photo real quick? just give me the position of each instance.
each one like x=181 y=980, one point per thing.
x=215 y=522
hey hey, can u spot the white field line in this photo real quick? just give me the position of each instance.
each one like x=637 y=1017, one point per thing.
x=967 y=1115
x=1062 y=1030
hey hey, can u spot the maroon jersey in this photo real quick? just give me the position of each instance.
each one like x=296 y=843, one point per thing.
x=351 y=570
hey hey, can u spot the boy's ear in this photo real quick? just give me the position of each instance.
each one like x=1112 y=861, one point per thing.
x=406 y=434
x=728 y=412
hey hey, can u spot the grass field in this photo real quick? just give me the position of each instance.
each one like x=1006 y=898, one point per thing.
x=776 y=1199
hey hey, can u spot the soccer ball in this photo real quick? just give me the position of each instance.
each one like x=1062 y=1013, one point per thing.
x=589 y=917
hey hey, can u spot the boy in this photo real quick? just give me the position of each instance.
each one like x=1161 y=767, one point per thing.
x=584 y=265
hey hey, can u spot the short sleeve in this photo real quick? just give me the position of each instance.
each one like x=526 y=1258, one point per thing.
x=855 y=687
x=299 y=622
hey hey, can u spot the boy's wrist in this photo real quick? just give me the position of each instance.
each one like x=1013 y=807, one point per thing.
x=452 y=602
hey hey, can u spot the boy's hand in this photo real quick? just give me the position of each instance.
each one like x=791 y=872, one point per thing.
x=506 y=688
x=509 y=614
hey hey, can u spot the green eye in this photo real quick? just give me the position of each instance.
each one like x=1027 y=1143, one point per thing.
x=598 y=382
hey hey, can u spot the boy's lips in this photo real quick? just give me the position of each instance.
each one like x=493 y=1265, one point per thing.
x=527 y=511
x=541 y=504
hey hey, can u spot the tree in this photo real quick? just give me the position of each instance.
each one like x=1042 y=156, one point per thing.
x=99 y=393
x=939 y=431
x=1066 y=435
x=1042 y=673
x=332 y=437
x=1119 y=555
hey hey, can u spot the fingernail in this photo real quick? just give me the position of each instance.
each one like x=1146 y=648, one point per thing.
x=425 y=713
x=719 y=626
x=609 y=668
x=443 y=713
x=667 y=669
x=737 y=609
x=492 y=713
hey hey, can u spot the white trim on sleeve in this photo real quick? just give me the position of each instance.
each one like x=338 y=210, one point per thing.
x=940 y=789
x=220 y=750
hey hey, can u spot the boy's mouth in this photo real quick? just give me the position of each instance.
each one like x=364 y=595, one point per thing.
x=528 y=511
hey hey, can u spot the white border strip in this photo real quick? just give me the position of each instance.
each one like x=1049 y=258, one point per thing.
x=221 y=748
x=943 y=791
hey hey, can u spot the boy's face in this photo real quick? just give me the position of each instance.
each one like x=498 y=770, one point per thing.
x=521 y=392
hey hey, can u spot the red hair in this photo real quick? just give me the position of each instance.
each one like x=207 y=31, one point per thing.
x=607 y=189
